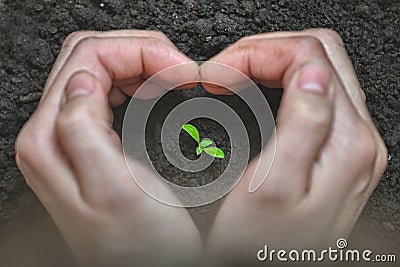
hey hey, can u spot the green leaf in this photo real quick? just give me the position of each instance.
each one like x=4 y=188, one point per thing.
x=206 y=142
x=199 y=150
x=215 y=152
x=190 y=129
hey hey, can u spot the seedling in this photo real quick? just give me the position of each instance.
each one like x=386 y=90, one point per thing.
x=203 y=145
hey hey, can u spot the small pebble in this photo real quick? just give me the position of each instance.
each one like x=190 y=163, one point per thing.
x=30 y=97
x=16 y=80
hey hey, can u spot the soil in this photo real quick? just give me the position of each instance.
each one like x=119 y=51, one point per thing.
x=32 y=32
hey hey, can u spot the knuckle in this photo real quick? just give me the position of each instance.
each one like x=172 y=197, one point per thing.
x=76 y=37
x=362 y=160
x=330 y=36
x=23 y=146
x=364 y=146
x=309 y=43
x=382 y=156
x=27 y=146
x=71 y=38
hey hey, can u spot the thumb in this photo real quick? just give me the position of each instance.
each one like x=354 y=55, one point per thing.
x=85 y=135
x=304 y=122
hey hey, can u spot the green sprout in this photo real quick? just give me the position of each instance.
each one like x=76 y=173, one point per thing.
x=203 y=145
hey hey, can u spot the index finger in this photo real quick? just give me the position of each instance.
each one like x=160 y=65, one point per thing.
x=115 y=56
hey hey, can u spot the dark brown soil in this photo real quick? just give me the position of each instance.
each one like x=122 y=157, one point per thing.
x=32 y=32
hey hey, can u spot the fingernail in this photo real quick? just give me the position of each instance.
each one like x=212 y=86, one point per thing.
x=76 y=92
x=314 y=77
x=80 y=84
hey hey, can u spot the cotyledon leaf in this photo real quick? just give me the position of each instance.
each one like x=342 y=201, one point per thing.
x=205 y=143
x=215 y=152
x=199 y=150
x=190 y=129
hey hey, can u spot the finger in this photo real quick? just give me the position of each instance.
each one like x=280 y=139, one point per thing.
x=45 y=167
x=75 y=38
x=155 y=39
x=345 y=166
x=86 y=137
x=35 y=164
x=110 y=60
x=273 y=61
x=304 y=123
x=337 y=55
x=336 y=51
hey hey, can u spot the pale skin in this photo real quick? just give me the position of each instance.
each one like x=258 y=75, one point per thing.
x=309 y=199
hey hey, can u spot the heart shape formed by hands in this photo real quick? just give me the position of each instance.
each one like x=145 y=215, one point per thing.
x=82 y=179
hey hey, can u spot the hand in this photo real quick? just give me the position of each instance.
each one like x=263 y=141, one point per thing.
x=329 y=156
x=73 y=160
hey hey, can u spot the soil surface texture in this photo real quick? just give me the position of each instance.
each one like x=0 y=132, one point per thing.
x=32 y=33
